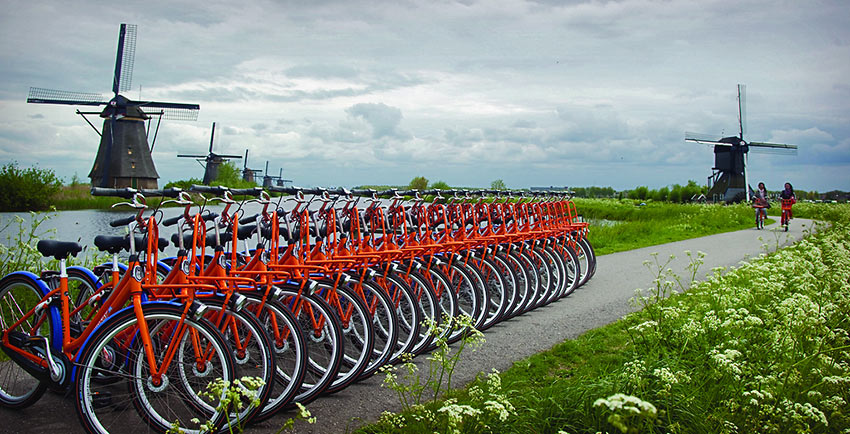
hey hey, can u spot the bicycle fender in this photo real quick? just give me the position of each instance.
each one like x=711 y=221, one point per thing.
x=87 y=272
x=53 y=311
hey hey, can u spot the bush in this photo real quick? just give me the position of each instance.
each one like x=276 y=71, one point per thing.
x=418 y=183
x=26 y=189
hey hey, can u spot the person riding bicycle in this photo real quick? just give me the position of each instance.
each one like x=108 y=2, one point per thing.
x=760 y=201
x=788 y=193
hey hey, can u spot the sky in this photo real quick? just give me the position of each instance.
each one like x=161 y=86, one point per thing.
x=535 y=93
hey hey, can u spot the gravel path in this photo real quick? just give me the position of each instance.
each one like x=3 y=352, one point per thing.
x=603 y=300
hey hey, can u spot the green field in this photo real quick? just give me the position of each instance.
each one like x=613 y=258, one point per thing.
x=762 y=348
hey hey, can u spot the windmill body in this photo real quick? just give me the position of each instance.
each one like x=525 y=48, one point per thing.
x=729 y=181
x=249 y=175
x=212 y=162
x=127 y=162
x=124 y=155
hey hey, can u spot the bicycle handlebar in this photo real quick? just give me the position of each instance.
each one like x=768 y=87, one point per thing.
x=256 y=191
x=285 y=190
x=171 y=221
x=213 y=189
x=171 y=192
x=122 y=221
x=364 y=193
x=126 y=193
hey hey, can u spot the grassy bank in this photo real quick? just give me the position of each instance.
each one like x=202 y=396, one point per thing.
x=636 y=225
x=761 y=348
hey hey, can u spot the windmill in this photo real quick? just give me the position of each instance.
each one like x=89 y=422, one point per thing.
x=278 y=180
x=212 y=161
x=249 y=174
x=124 y=156
x=728 y=180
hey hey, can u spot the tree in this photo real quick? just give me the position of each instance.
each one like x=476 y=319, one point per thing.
x=29 y=189
x=498 y=185
x=440 y=185
x=418 y=183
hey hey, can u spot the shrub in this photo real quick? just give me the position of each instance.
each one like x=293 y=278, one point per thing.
x=418 y=183
x=26 y=189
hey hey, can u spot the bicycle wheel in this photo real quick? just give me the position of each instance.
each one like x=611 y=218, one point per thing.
x=358 y=335
x=587 y=248
x=406 y=309
x=18 y=295
x=584 y=260
x=385 y=323
x=252 y=353
x=289 y=348
x=558 y=273
x=533 y=274
x=494 y=284
x=544 y=274
x=446 y=299
x=427 y=302
x=471 y=297
x=183 y=398
x=323 y=334
x=522 y=283
x=572 y=268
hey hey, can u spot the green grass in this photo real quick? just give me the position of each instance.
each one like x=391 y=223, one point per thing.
x=658 y=222
x=761 y=348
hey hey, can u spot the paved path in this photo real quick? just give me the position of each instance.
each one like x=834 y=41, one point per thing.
x=603 y=300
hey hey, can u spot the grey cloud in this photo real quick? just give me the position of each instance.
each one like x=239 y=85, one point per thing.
x=383 y=119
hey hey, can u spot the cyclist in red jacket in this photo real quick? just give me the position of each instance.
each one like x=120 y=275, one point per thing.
x=788 y=199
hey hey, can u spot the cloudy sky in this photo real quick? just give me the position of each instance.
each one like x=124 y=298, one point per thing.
x=536 y=93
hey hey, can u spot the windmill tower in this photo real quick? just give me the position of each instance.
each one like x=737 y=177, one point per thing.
x=278 y=180
x=728 y=181
x=124 y=155
x=268 y=179
x=249 y=174
x=212 y=161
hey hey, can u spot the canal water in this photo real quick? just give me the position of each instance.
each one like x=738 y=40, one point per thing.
x=82 y=225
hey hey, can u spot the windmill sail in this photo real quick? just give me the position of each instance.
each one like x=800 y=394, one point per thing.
x=124 y=156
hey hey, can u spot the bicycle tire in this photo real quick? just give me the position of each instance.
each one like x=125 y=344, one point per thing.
x=428 y=307
x=18 y=295
x=470 y=297
x=408 y=313
x=447 y=300
x=163 y=406
x=252 y=356
x=522 y=283
x=572 y=268
x=289 y=348
x=358 y=334
x=324 y=345
x=494 y=284
x=385 y=321
x=544 y=274
x=558 y=273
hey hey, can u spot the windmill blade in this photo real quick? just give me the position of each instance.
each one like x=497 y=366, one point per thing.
x=773 y=148
x=212 y=138
x=124 y=59
x=40 y=95
x=239 y=157
x=191 y=156
x=170 y=110
x=742 y=110
x=704 y=139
